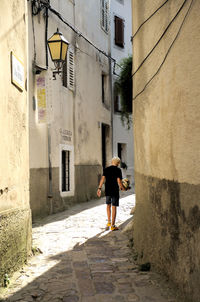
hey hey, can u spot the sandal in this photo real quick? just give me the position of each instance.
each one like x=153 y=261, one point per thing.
x=114 y=228
x=108 y=225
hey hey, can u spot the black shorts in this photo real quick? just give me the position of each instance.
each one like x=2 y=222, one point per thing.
x=112 y=199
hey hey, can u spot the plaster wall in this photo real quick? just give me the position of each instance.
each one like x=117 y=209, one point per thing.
x=166 y=132
x=14 y=157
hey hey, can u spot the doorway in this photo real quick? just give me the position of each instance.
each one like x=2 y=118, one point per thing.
x=104 y=143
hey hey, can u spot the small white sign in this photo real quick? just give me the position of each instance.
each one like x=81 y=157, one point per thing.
x=17 y=72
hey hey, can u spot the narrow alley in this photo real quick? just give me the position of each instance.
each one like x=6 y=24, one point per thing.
x=78 y=261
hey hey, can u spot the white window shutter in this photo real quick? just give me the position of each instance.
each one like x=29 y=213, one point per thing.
x=104 y=14
x=70 y=69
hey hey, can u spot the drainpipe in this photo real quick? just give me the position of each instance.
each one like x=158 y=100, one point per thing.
x=46 y=35
x=50 y=191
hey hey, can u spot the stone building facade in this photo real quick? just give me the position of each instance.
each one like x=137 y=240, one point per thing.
x=15 y=214
x=70 y=117
x=166 y=133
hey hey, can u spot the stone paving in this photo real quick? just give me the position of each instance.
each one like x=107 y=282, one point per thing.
x=79 y=261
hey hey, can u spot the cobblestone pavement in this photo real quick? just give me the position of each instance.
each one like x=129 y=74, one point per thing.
x=81 y=262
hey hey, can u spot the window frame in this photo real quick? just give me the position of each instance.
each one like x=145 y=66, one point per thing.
x=65 y=185
x=103 y=88
x=119 y=25
x=64 y=73
x=104 y=15
x=69 y=148
x=117 y=103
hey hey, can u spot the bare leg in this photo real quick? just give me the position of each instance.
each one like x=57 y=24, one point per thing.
x=109 y=211
x=114 y=213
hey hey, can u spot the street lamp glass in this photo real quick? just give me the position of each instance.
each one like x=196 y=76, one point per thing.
x=58 y=47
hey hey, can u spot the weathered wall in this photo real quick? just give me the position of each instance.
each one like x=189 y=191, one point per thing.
x=86 y=179
x=166 y=129
x=15 y=218
x=80 y=112
x=15 y=240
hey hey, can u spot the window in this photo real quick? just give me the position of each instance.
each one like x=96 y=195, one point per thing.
x=117 y=103
x=119 y=150
x=103 y=79
x=122 y=152
x=64 y=74
x=104 y=15
x=119 y=32
x=68 y=70
x=105 y=139
x=66 y=170
x=105 y=90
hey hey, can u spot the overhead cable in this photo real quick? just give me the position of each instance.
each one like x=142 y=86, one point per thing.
x=168 y=51
x=78 y=32
x=166 y=29
x=148 y=19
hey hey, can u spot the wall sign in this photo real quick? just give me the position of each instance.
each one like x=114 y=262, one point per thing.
x=17 y=72
x=41 y=100
x=66 y=135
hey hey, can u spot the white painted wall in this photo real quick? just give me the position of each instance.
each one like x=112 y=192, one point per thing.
x=80 y=111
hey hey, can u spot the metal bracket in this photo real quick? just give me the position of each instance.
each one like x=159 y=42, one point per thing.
x=38 y=5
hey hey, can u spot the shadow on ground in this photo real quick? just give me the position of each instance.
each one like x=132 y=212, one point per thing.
x=86 y=272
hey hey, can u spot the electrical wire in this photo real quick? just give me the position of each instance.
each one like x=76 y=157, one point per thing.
x=168 y=51
x=46 y=35
x=47 y=5
x=78 y=32
x=34 y=45
x=166 y=29
x=148 y=19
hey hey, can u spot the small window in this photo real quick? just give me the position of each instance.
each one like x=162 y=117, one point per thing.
x=119 y=150
x=104 y=15
x=119 y=32
x=64 y=74
x=117 y=103
x=122 y=152
x=65 y=171
x=68 y=70
x=103 y=80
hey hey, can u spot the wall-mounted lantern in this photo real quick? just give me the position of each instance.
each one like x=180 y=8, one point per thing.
x=58 y=47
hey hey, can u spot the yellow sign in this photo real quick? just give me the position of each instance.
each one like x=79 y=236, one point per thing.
x=41 y=100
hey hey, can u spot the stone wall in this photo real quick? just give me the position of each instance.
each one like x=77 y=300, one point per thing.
x=15 y=240
x=86 y=183
x=166 y=129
